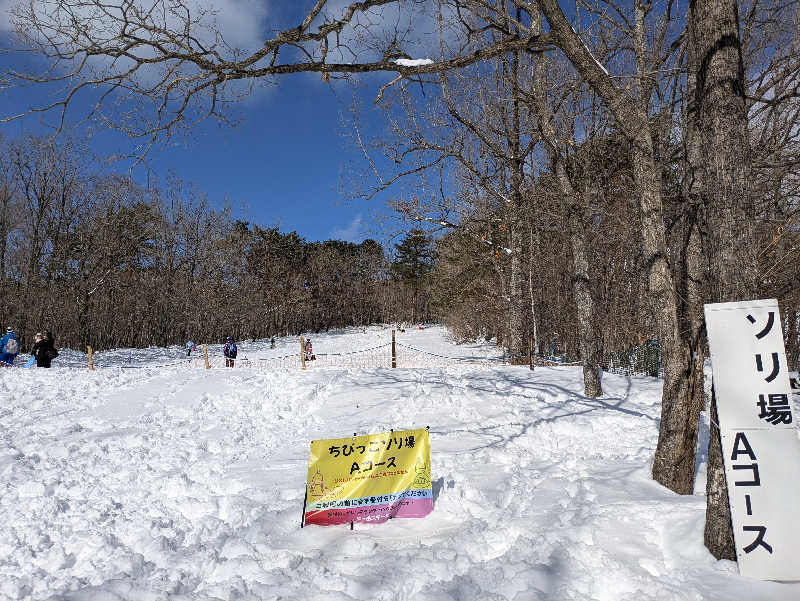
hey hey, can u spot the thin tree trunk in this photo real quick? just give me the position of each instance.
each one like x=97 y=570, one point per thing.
x=517 y=293
x=534 y=325
x=792 y=344
x=588 y=335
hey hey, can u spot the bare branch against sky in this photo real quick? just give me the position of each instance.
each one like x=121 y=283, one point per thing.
x=153 y=69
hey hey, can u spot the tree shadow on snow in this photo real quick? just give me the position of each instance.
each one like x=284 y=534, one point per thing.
x=543 y=410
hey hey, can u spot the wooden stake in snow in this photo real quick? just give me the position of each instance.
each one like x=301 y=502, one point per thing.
x=302 y=353
x=91 y=363
x=205 y=356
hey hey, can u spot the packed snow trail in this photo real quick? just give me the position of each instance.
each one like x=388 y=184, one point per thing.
x=188 y=484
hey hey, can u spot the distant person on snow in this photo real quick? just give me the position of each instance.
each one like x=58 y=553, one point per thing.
x=32 y=360
x=44 y=350
x=309 y=351
x=272 y=342
x=190 y=346
x=9 y=346
x=229 y=350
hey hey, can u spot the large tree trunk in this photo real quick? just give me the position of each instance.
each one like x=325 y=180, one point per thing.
x=673 y=463
x=5 y=199
x=587 y=332
x=718 y=113
x=534 y=326
x=577 y=209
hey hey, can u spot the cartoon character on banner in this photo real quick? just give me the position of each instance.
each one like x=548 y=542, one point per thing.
x=423 y=479
x=316 y=488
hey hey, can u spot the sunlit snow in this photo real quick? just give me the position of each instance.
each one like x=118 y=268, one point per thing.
x=143 y=482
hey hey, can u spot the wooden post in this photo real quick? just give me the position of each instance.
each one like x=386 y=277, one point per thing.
x=205 y=356
x=302 y=353
x=91 y=363
x=394 y=352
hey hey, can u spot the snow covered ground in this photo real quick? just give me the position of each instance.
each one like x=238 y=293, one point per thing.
x=181 y=483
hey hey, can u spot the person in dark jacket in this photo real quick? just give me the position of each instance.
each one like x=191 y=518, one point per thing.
x=44 y=350
x=229 y=350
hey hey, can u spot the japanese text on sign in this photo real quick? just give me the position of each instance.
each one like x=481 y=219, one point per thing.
x=761 y=448
x=369 y=478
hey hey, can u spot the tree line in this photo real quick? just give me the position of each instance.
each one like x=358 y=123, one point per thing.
x=100 y=260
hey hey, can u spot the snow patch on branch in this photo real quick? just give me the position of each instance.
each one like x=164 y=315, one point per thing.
x=599 y=64
x=413 y=62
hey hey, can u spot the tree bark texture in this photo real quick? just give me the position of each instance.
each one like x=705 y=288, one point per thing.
x=516 y=322
x=720 y=178
x=792 y=346
x=577 y=209
x=718 y=531
x=673 y=463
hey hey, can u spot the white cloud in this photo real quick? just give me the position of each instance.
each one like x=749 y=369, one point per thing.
x=5 y=15
x=352 y=233
x=241 y=21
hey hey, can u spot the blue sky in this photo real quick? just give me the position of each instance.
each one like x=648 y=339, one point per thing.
x=289 y=162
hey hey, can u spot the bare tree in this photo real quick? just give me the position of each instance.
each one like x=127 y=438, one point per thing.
x=166 y=67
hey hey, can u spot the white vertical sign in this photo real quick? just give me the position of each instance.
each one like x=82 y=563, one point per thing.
x=760 y=439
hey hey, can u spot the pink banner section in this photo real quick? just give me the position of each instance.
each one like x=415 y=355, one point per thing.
x=375 y=514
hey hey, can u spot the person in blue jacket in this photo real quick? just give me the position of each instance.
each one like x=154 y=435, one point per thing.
x=9 y=346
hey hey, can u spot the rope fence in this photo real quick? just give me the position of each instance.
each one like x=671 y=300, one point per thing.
x=645 y=359
x=405 y=356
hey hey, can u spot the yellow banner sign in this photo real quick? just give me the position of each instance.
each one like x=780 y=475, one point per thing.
x=369 y=478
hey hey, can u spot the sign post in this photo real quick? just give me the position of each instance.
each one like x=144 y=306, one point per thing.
x=760 y=441
x=369 y=478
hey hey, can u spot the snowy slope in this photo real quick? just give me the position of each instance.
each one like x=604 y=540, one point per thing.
x=182 y=483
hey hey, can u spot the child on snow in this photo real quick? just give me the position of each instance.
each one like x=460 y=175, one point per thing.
x=32 y=359
x=229 y=350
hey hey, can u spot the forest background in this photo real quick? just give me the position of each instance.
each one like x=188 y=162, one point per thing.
x=517 y=170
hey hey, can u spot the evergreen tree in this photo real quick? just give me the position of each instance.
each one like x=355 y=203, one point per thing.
x=415 y=258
